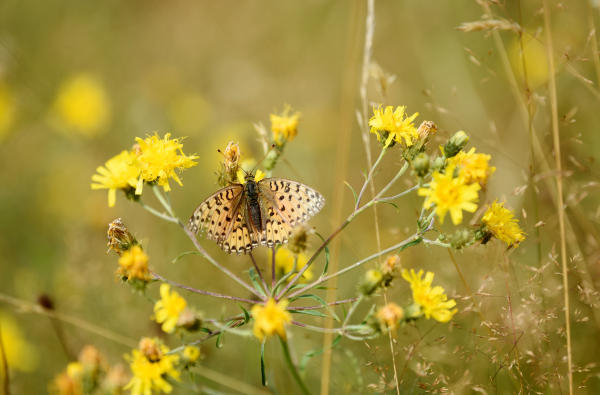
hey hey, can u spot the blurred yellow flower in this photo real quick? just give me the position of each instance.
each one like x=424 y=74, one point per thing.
x=119 y=173
x=389 y=316
x=474 y=167
x=151 y=369
x=69 y=382
x=501 y=223
x=536 y=61
x=270 y=319
x=434 y=303
x=189 y=112
x=7 y=110
x=394 y=123
x=159 y=159
x=450 y=194
x=134 y=264
x=169 y=308
x=20 y=354
x=257 y=177
x=191 y=354
x=284 y=261
x=285 y=126
x=81 y=106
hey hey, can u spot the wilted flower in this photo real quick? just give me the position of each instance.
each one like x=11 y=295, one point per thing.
x=81 y=106
x=150 y=366
x=391 y=126
x=499 y=222
x=285 y=126
x=389 y=268
x=432 y=301
x=450 y=194
x=270 y=319
x=298 y=241
x=232 y=157
x=158 y=160
x=119 y=238
x=474 y=167
x=284 y=262
x=456 y=143
x=389 y=316
x=168 y=310
x=119 y=173
x=134 y=264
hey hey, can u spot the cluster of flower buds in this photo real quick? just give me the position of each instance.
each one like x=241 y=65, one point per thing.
x=133 y=261
x=462 y=238
x=380 y=277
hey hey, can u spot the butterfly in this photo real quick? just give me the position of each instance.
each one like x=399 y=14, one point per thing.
x=240 y=217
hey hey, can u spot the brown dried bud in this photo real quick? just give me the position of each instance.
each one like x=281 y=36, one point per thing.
x=426 y=131
x=232 y=158
x=298 y=241
x=119 y=238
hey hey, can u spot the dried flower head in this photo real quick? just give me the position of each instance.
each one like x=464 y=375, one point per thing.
x=500 y=223
x=232 y=158
x=433 y=302
x=119 y=173
x=389 y=317
x=134 y=264
x=158 y=160
x=271 y=319
x=119 y=238
x=388 y=269
x=168 y=309
x=298 y=241
x=474 y=167
x=284 y=126
x=151 y=365
x=450 y=194
x=392 y=126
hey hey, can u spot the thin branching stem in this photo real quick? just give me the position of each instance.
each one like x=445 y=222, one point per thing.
x=369 y=178
x=157 y=213
x=262 y=279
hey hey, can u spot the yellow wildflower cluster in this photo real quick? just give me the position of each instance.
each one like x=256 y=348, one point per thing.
x=432 y=301
x=284 y=262
x=118 y=174
x=284 y=126
x=452 y=194
x=499 y=222
x=151 y=365
x=158 y=160
x=270 y=319
x=133 y=264
x=168 y=310
x=392 y=126
x=473 y=167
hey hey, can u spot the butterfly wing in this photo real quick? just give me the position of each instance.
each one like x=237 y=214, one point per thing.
x=243 y=236
x=285 y=204
x=217 y=213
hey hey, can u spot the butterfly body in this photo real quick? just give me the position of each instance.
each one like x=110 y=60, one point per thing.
x=241 y=217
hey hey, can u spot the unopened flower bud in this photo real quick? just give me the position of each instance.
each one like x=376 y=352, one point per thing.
x=371 y=282
x=437 y=164
x=389 y=269
x=119 y=238
x=456 y=143
x=421 y=164
x=413 y=311
x=298 y=241
x=460 y=239
x=389 y=317
x=426 y=131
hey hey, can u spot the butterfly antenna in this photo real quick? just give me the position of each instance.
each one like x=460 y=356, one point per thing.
x=273 y=146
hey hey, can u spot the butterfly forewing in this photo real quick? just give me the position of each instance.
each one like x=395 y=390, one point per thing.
x=218 y=213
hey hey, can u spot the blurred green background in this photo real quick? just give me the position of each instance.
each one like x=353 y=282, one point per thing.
x=80 y=80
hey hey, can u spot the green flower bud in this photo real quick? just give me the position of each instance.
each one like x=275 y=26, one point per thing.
x=421 y=164
x=456 y=143
x=460 y=239
x=438 y=164
x=371 y=282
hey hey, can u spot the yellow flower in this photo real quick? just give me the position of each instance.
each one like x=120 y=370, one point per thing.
x=389 y=316
x=169 y=308
x=20 y=354
x=433 y=302
x=119 y=173
x=500 y=222
x=7 y=109
x=134 y=264
x=474 y=167
x=242 y=176
x=159 y=159
x=191 y=354
x=270 y=319
x=394 y=123
x=150 y=371
x=449 y=193
x=284 y=126
x=81 y=106
x=284 y=261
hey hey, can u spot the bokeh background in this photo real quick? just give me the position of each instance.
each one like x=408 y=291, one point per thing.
x=80 y=80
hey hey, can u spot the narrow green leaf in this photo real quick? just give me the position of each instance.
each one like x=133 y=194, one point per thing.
x=412 y=243
x=262 y=363
x=309 y=312
x=254 y=279
x=352 y=189
x=184 y=254
x=246 y=315
x=364 y=173
x=321 y=301
x=219 y=343
x=306 y=358
x=397 y=209
x=326 y=257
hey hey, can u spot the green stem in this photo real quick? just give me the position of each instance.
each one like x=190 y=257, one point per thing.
x=352 y=309
x=157 y=213
x=292 y=368
x=162 y=200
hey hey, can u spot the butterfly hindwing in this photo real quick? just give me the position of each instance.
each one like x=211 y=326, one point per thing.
x=243 y=237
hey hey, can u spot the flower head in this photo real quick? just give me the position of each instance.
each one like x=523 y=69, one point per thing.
x=450 y=194
x=270 y=319
x=81 y=106
x=432 y=301
x=68 y=382
x=134 y=264
x=241 y=176
x=191 y=354
x=284 y=262
x=150 y=366
x=285 y=126
x=168 y=310
x=119 y=238
x=119 y=173
x=500 y=222
x=371 y=282
x=298 y=241
x=158 y=160
x=393 y=126
x=474 y=167
x=231 y=158
x=389 y=316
